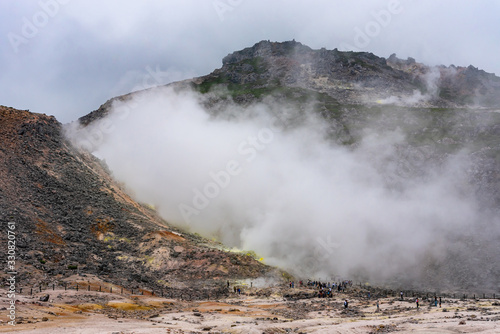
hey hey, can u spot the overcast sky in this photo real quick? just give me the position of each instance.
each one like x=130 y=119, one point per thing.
x=67 y=57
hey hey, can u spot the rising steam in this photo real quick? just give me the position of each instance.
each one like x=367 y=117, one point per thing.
x=258 y=180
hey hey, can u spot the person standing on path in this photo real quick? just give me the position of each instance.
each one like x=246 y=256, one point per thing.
x=416 y=301
x=378 y=307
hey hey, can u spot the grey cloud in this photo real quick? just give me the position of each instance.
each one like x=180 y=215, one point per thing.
x=84 y=53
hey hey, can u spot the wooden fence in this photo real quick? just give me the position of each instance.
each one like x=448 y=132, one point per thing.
x=218 y=292
x=182 y=294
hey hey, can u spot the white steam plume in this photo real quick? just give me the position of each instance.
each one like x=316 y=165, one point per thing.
x=295 y=198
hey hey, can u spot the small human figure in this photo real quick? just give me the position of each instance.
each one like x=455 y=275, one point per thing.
x=439 y=301
x=401 y=295
x=228 y=283
x=346 y=303
x=416 y=301
x=239 y=291
x=435 y=301
x=251 y=284
x=378 y=307
x=234 y=288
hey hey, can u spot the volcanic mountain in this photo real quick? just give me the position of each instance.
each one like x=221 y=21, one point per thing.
x=70 y=211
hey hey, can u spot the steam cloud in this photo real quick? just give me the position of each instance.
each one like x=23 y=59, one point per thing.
x=255 y=179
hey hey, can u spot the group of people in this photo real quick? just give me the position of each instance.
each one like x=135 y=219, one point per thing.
x=340 y=286
x=325 y=290
x=437 y=301
x=235 y=288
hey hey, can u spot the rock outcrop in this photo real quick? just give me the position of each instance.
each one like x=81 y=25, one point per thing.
x=356 y=77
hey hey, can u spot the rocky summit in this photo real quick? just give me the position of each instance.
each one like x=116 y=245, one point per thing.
x=354 y=77
x=334 y=78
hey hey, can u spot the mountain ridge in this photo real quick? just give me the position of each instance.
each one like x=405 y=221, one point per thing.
x=357 y=77
x=344 y=77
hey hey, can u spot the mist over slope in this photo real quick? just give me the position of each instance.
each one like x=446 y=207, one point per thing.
x=71 y=217
x=309 y=182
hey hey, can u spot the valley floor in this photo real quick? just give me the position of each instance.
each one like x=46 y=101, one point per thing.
x=99 y=312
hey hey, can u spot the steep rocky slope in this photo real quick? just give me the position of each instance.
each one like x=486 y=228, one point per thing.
x=71 y=216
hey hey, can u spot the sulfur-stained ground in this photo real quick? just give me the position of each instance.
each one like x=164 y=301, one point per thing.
x=101 y=312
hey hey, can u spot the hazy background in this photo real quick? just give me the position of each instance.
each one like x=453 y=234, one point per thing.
x=66 y=57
